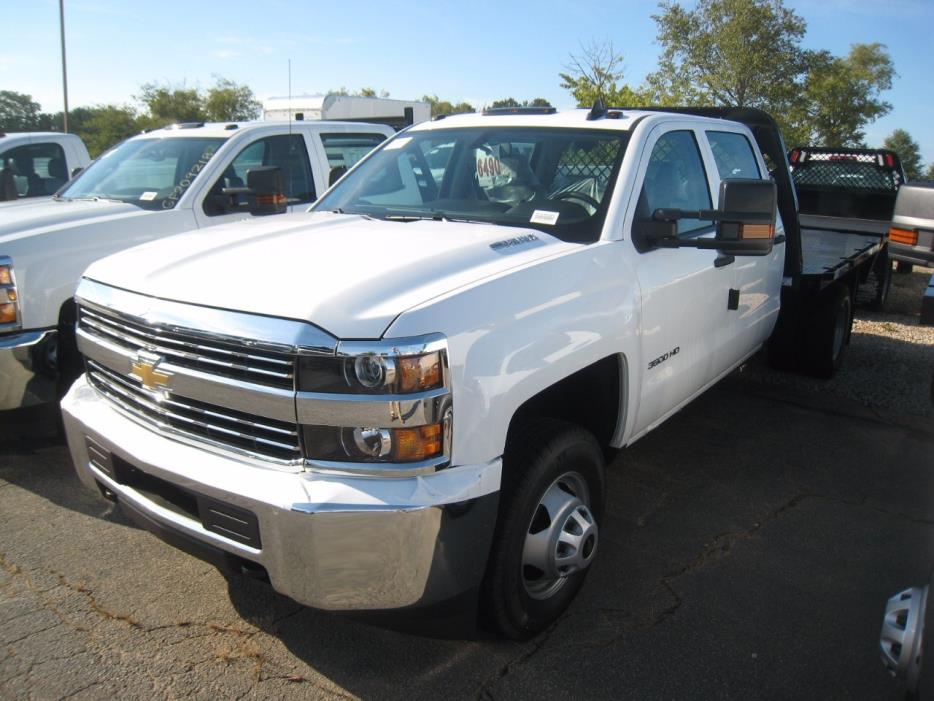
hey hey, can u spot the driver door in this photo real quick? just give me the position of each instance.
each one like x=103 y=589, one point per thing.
x=288 y=151
x=685 y=318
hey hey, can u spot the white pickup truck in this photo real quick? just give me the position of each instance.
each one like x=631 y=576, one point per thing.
x=36 y=164
x=402 y=400
x=163 y=182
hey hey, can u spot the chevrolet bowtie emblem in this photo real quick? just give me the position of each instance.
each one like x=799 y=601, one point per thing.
x=145 y=369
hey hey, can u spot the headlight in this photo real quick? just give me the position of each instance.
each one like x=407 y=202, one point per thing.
x=377 y=402
x=402 y=366
x=10 y=317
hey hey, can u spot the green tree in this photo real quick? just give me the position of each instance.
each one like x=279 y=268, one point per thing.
x=372 y=92
x=842 y=95
x=445 y=107
x=745 y=53
x=538 y=102
x=908 y=151
x=227 y=101
x=596 y=72
x=18 y=111
x=929 y=173
x=103 y=126
x=172 y=103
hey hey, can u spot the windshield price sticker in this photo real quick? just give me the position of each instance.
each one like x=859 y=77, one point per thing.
x=398 y=143
x=541 y=216
x=148 y=196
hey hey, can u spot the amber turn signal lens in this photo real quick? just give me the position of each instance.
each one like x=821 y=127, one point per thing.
x=420 y=372
x=7 y=313
x=6 y=275
x=903 y=236
x=422 y=443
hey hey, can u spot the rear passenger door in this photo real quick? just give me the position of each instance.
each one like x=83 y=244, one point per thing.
x=685 y=321
x=758 y=279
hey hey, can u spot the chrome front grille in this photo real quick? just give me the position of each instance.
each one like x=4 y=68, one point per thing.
x=214 y=357
x=203 y=422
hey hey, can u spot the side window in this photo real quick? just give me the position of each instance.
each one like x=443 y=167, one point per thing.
x=346 y=149
x=734 y=155
x=36 y=170
x=675 y=178
x=286 y=151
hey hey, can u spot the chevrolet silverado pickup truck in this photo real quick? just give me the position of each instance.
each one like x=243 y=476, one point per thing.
x=36 y=164
x=850 y=190
x=402 y=400
x=158 y=183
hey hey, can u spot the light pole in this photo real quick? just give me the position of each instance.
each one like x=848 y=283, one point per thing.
x=61 y=14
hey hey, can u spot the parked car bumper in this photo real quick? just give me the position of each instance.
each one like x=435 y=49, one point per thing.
x=916 y=255
x=337 y=543
x=27 y=368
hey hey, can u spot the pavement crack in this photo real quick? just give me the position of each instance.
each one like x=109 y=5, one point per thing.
x=535 y=646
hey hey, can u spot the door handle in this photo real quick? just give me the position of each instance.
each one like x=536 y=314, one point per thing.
x=732 y=302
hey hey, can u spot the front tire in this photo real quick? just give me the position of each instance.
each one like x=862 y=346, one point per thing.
x=547 y=532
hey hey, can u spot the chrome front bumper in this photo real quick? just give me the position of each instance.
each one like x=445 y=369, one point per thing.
x=27 y=369
x=337 y=543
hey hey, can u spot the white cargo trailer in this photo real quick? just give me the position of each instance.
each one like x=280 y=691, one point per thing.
x=347 y=108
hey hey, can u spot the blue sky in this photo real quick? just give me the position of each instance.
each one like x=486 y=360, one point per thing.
x=476 y=51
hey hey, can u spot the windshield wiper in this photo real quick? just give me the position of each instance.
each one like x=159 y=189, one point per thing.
x=434 y=216
x=96 y=198
x=352 y=214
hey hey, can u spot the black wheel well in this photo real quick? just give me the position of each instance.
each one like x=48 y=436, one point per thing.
x=589 y=398
x=68 y=314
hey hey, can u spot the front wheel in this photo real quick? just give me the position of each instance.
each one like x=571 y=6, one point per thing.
x=547 y=531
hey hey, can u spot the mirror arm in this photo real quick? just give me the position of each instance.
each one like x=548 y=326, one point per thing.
x=237 y=191
x=709 y=215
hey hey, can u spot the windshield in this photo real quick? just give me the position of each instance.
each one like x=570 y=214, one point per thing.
x=551 y=179
x=150 y=173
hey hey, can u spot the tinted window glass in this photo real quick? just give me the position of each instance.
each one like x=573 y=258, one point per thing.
x=36 y=169
x=675 y=178
x=734 y=155
x=286 y=151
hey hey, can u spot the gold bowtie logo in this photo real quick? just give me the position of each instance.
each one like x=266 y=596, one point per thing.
x=145 y=370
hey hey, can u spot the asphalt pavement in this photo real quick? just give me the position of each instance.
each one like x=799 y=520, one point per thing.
x=749 y=547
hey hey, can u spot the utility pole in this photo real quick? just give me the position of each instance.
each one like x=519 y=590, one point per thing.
x=61 y=14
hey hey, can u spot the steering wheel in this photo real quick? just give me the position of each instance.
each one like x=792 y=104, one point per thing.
x=577 y=195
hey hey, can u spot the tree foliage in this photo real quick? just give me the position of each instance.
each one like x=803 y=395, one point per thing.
x=744 y=53
x=595 y=73
x=18 y=111
x=445 y=107
x=929 y=173
x=226 y=101
x=908 y=151
x=841 y=95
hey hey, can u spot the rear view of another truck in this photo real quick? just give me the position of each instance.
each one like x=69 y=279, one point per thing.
x=850 y=192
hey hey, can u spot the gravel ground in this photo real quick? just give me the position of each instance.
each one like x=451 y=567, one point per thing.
x=890 y=360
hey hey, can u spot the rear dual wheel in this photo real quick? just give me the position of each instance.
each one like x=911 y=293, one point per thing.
x=547 y=532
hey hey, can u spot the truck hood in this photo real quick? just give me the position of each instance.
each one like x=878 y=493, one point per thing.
x=39 y=217
x=348 y=275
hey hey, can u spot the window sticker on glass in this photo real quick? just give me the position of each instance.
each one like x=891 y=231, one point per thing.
x=149 y=196
x=398 y=143
x=541 y=216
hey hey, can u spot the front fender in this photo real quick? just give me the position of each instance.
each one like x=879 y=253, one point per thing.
x=516 y=334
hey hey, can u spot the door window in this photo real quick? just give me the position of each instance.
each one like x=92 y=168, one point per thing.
x=36 y=169
x=734 y=155
x=346 y=149
x=676 y=179
x=284 y=150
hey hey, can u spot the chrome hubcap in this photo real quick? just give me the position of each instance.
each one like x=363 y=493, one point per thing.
x=561 y=538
